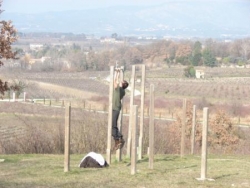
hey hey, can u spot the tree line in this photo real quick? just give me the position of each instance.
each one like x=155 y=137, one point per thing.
x=189 y=53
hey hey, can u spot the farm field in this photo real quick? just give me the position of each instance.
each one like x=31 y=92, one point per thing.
x=168 y=83
x=227 y=88
x=33 y=171
x=37 y=127
x=90 y=90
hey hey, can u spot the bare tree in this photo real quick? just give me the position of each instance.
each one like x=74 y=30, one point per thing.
x=245 y=48
x=8 y=35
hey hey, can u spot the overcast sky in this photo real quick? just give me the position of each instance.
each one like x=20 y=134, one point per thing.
x=30 y=6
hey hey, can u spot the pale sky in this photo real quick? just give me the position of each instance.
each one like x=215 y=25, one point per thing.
x=31 y=6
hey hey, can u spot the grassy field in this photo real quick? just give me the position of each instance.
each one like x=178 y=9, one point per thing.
x=29 y=170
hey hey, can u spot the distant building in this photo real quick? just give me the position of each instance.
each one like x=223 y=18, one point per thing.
x=111 y=41
x=108 y=40
x=36 y=47
x=199 y=74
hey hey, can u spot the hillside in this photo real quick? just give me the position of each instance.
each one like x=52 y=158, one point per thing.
x=182 y=19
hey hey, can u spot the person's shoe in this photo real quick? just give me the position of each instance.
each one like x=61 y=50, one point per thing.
x=117 y=144
x=122 y=142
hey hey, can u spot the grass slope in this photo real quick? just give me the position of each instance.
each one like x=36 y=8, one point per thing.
x=30 y=170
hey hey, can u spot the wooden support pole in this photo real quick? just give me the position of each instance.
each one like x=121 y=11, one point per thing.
x=204 y=147
x=111 y=88
x=142 y=112
x=204 y=144
x=151 y=127
x=67 y=139
x=14 y=97
x=183 y=127
x=130 y=111
x=24 y=96
x=193 y=130
x=134 y=139
x=119 y=151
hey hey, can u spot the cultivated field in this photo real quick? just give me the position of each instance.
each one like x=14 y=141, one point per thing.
x=37 y=126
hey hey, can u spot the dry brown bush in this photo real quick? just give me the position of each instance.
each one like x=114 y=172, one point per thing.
x=222 y=135
x=44 y=132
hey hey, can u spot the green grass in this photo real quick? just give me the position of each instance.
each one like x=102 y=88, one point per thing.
x=30 y=170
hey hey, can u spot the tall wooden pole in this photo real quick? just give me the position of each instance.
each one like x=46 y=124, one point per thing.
x=111 y=88
x=132 y=83
x=142 y=111
x=67 y=138
x=24 y=96
x=183 y=127
x=204 y=147
x=14 y=97
x=193 y=130
x=151 y=128
x=204 y=144
x=134 y=139
x=119 y=151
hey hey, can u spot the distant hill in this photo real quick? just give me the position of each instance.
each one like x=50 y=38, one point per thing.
x=213 y=19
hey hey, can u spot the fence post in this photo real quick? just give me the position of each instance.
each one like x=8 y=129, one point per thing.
x=119 y=151
x=193 y=130
x=204 y=144
x=204 y=147
x=24 y=96
x=151 y=127
x=142 y=112
x=111 y=88
x=134 y=140
x=14 y=96
x=183 y=127
x=67 y=139
x=130 y=110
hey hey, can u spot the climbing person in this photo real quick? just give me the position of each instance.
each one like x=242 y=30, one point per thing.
x=118 y=94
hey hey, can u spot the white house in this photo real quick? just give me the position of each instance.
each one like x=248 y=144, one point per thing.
x=36 y=46
x=199 y=74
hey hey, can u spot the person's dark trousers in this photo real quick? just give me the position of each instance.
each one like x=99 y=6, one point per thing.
x=115 y=131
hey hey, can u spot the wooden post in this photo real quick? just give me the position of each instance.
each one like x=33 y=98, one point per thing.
x=151 y=127
x=142 y=112
x=111 y=88
x=183 y=128
x=193 y=130
x=119 y=151
x=67 y=139
x=9 y=95
x=24 y=96
x=14 y=97
x=130 y=111
x=204 y=144
x=204 y=147
x=134 y=139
